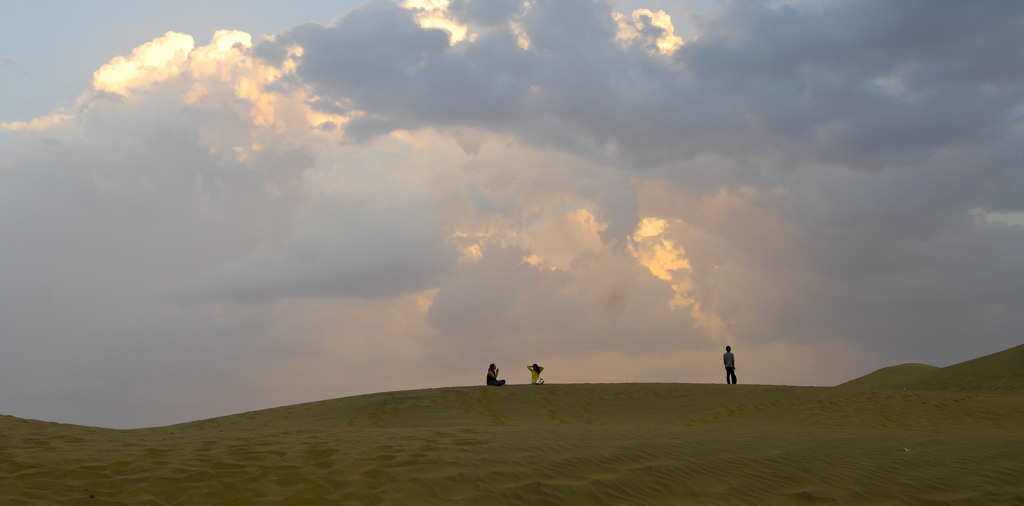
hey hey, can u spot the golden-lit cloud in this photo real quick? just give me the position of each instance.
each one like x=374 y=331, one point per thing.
x=38 y=124
x=434 y=14
x=222 y=73
x=149 y=63
x=522 y=38
x=666 y=260
x=633 y=28
x=516 y=27
x=660 y=255
x=219 y=60
x=649 y=227
x=227 y=65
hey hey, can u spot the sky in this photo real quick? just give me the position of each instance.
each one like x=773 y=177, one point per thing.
x=273 y=204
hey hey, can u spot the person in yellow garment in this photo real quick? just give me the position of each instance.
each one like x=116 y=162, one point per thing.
x=535 y=373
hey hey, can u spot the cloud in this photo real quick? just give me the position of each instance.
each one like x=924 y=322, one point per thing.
x=434 y=14
x=378 y=58
x=655 y=28
x=419 y=189
x=866 y=92
x=375 y=245
x=149 y=63
x=765 y=78
x=487 y=13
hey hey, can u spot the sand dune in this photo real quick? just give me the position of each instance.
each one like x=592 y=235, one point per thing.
x=904 y=435
x=999 y=372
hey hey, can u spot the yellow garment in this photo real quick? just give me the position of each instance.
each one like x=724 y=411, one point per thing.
x=535 y=374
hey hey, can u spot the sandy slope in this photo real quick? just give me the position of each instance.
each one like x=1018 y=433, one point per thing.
x=1000 y=372
x=904 y=435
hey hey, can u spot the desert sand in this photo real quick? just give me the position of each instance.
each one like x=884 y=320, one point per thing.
x=910 y=434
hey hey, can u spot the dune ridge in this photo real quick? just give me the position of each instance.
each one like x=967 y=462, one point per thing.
x=998 y=372
x=911 y=434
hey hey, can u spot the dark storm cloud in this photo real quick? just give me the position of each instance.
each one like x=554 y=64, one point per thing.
x=573 y=87
x=868 y=84
x=380 y=59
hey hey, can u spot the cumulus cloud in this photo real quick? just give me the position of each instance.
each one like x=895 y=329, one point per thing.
x=331 y=210
x=149 y=63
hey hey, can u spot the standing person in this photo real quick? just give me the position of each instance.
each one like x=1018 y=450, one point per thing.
x=492 y=377
x=730 y=366
x=535 y=374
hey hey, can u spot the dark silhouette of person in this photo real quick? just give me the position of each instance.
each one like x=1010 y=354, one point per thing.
x=492 y=377
x=730 y=366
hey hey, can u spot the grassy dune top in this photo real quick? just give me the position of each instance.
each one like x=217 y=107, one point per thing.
x=905 y=435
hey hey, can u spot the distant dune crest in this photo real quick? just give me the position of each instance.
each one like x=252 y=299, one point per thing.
x=998 y=372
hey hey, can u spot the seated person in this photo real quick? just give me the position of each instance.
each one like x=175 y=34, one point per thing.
x=535 y=373
x=492 y=377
